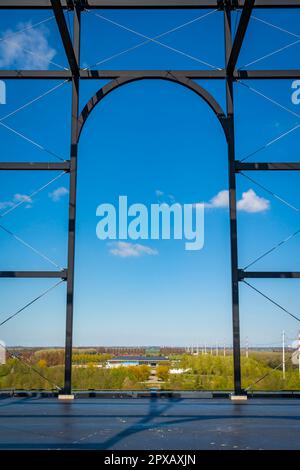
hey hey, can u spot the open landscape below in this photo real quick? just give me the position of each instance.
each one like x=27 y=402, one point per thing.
x=96 y=369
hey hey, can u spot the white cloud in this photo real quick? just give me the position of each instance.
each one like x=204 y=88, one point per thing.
x=16 y=200
x=22 y=198
x=13 y=50
x=166 y=198
x=220 y=200
x=58 y=193
x=130 y=250
x=6 y=204
x=251 y=202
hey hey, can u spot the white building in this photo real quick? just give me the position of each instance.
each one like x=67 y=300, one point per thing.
x=178 y=371
x=125 y=361
x=2 y=353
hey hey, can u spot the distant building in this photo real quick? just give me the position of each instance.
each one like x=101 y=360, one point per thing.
x=125 y=361
x=2 y=353
x=178 y=371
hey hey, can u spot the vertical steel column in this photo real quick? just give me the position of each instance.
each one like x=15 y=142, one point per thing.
x=232 y=209
x=72 y=208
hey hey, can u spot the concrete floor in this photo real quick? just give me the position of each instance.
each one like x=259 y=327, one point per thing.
x=150 y=424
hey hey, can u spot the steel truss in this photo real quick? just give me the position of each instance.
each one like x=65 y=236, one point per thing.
x=121 y=77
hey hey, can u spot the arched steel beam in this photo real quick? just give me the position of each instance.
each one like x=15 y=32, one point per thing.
x=170 y=76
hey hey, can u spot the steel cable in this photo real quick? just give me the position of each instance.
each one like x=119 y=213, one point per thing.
x=39 y=146
x=17 y=313
x=283 y=201
x=270 y=54
x=275 y=26
x=31 y=195
x=176 y=28
x=271 y=100
x=34 y=54
x=14 y=356
x=271 y=142
x=276 y=196
x=40 y=296
x=23 y=242
x=275 y=247
x=34 y=100
x=27 y=28
x=276 y=103
x=115 y=23
x=276 y=51
x=272 y=301
x=266 y=375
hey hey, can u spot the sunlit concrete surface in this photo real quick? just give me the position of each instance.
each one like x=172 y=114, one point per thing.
x=154 y=423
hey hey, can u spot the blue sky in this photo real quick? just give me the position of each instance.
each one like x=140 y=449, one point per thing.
x=145 y=139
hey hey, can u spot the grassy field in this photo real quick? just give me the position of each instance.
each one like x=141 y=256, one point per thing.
x=203 y=372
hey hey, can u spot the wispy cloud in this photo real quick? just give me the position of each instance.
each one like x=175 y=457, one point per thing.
x=250 y=202
x=130 y=250
x=6 y=204
x=22 y=198
x=163 y=197
x=17 y=198
x=159 y=193
x=58 y=193
x=27 y=50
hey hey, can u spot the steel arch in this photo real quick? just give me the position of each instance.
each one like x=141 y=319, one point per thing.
x=168 y=76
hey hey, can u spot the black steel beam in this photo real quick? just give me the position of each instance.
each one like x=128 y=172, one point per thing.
x=240 y=166
x=268 y=275
x=266 y=74
x=72 y=208
x=232 y=211
x=111 y=74
x=106 y=74
x=35 y=74
x=188 y=3
x=65 y=36
x=28 y=4
x=239 y=37
x=35 y=274
x=149 y=4
x=128 y=4
x=153 y=4
x=275 y=3
x=63 y=166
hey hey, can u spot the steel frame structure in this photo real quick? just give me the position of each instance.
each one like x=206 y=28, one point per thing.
x=121 y=77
